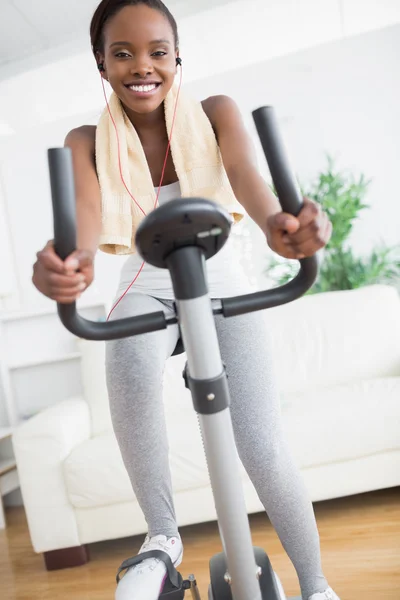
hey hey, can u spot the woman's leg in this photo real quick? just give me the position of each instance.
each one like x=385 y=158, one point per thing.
x=134 y=369
x=247 y=353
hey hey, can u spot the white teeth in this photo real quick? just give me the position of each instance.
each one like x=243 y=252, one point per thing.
x=143 y=88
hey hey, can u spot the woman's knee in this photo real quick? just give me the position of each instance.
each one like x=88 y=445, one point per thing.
x=260 y=449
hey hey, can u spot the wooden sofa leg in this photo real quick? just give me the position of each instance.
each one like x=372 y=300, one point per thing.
x=66 y=558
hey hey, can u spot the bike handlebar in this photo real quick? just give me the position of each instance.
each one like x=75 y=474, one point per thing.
x=64 y=220
x=64 y=223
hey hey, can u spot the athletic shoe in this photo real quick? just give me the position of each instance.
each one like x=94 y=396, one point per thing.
x=146 y=580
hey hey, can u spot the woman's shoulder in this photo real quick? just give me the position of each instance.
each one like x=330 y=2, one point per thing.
x=222 y=111
x=215 y=104
x=83 y=136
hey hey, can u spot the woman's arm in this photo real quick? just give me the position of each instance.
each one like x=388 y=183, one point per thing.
x=87 y=189
x=240 y=161
x=291 y=237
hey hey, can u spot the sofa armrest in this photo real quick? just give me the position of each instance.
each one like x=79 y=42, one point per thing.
x=41 y=445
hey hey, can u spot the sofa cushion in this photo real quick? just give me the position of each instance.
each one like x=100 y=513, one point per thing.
x=336 y=424
x=336 y=338
x=95 y=474
x=344 y=422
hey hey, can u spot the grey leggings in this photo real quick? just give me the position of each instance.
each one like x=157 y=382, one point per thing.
x=134 y=377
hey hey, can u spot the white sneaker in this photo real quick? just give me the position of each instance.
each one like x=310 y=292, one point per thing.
x=329 y=594
x=145 y=581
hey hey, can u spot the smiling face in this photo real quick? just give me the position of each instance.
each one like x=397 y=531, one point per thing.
x=139 y=57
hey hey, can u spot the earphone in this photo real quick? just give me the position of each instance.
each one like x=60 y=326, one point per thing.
x=101 y=68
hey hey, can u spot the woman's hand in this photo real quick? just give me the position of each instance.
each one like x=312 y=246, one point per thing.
x=301 y=236
x=63 y=281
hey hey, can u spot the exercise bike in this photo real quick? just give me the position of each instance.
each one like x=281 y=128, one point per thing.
x=180 y=236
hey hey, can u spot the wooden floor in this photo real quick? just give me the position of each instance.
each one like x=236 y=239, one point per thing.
x=360 y=539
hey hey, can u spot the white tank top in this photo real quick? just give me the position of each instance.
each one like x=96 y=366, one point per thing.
x=225 y=275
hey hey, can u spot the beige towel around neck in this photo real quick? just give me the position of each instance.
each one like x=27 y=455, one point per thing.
x=197 y=160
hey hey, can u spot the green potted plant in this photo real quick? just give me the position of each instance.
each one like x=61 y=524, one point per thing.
x=342 y=196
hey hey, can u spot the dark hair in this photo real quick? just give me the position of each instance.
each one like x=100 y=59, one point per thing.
x=109 y=8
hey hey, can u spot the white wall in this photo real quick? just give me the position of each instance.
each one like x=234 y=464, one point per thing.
x=7 y=279
x=341 y=98
x=25 y=179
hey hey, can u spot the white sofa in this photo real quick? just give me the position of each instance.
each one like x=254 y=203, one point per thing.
x=338 y=361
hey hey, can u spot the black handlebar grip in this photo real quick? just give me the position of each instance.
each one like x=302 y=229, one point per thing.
x=62 y=184
x=285 y=184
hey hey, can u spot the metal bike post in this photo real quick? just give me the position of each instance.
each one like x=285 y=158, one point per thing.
x=208 y=384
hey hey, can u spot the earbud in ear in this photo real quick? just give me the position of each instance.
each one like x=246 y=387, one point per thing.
x=178 y=62
x=101 y=68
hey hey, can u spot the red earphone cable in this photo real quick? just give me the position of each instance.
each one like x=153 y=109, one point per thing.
x=124 y=183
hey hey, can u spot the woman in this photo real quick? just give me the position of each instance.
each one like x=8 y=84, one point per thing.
x=135 y=44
